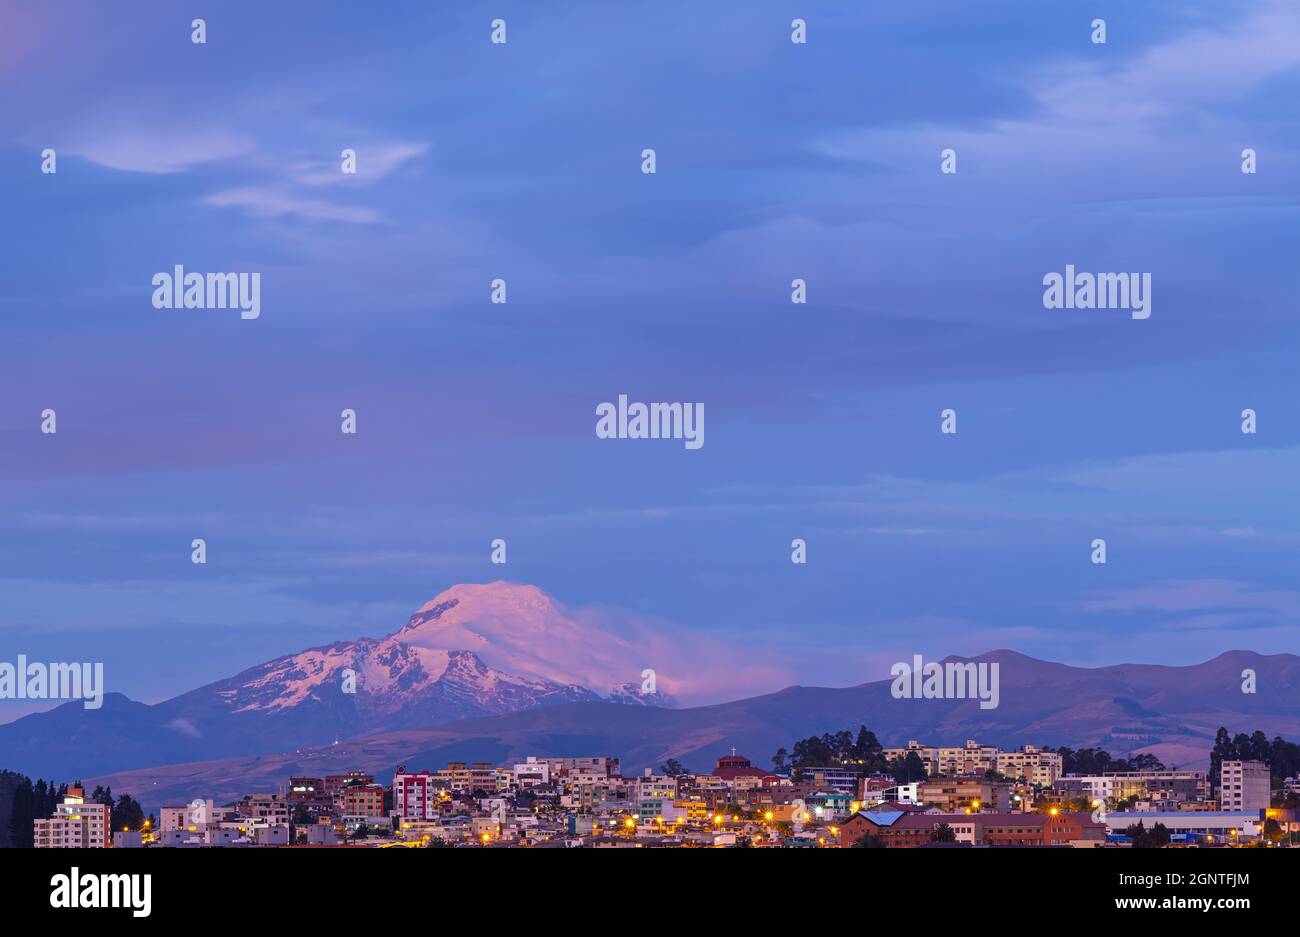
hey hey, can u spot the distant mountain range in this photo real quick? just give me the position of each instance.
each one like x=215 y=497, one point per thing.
x=1172 y=712
x=474 y=650
x=499 y=671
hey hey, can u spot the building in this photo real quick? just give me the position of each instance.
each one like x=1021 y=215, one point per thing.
x=413 y=794
x=844 y=780
x=1218 y=826
x=366 y=800
x=334 y=783
x=733 y=767
x=1112 y=787
x=1026 y=763
x=1244 y=785
x=1030 y=765
x=535 y=772
x=955 y=794
x=971 y=758
x=194 y=816
x=995 y=829
x=269 y=809
x=307 y=791
x=76 y=823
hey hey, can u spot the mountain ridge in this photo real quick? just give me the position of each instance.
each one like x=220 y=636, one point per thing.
x=1078 y=707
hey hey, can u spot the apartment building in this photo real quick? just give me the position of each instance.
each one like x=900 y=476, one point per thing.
x=195 y=814
x=76 y=823
x=270 y=809
x=956 y=794
x=365 y=800
x=1030 y=765
x=1112 y=787
x=413 y=794
x=534 y=772
x=1244 y=786
x=1027 y=763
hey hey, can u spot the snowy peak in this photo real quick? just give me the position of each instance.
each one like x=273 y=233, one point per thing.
x=473 y=650
x=519 y=629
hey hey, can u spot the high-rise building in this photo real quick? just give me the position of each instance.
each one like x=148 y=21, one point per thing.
x=413 y=795
x=76 y=823
x=1244 y=785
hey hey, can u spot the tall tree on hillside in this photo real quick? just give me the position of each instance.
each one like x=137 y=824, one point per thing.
x=868 y=752
x=22 y=814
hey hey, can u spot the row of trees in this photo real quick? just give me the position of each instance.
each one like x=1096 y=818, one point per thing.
x=862 y=753
x=1281 y=756
x=1100 y=761
x=865 y=753
x=36 y=801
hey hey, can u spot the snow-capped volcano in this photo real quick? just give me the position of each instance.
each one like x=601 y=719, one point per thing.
x=522 y=630
x=473 y=650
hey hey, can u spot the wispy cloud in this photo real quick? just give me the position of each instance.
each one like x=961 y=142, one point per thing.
x=158 y=147
x=273 y=202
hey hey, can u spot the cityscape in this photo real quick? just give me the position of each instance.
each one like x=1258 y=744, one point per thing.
x=835 y=791
x=356 y=494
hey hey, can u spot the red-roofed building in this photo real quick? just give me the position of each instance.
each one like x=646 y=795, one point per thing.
x=996 y=829
x=733 y=766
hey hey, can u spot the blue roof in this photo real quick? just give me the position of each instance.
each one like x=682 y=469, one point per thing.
x=883 y=817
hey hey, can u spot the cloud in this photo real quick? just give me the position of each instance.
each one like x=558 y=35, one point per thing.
x=1235 y=600
x=272 y=201
x=165 y=149
x=374 y=162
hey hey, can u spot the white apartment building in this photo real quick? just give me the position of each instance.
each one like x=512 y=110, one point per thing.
x=1244 y=785
x=653 y=787
x=196 y=814
x=76 y=823
x=1026 y=763
x=1030 y=765
x=533 y=772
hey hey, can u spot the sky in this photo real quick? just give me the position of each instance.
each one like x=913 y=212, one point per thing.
x=476 y=420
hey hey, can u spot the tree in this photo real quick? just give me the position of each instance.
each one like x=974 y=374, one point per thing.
x=102 y=795
x=868 y=752
x=1155 y=838
x=868 y=841
x=22 y=814
x=907 y=768
x=779 y=759
x=943 y=833
x=1272 y=831
x=673 y=768
x=127 y=814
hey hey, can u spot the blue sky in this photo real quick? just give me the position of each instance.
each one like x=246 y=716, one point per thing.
x=476 y=420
